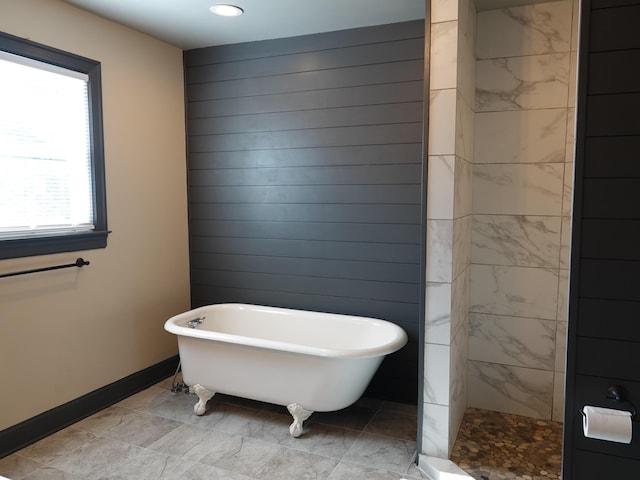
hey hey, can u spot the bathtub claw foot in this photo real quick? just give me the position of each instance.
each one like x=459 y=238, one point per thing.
x=299 y=416
x=204 y=396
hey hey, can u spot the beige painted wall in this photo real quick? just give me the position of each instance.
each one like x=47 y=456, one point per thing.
x=68 y=332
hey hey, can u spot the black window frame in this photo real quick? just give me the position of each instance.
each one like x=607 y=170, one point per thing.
x=46 y=244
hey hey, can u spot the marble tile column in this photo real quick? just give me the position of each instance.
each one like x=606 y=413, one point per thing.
x=451 y=126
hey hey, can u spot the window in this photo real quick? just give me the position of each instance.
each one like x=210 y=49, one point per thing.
x=52 y=190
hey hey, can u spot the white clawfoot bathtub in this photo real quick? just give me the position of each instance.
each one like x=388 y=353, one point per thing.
x=306 y=361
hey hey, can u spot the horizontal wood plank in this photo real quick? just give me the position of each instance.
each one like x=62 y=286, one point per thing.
x=590 y=465
x=397 y=174
x=595 y=4
x=612 y=115
x=320 y=118
x=610 y=279
x=614 y=72
x=373 y=271
x=344 y=232
x=330 y=250
x=611 y=198
x=611 y=359
x=297 y=212
x=306 y=43
x=334 y=287
x=309 y=157
x=409 y=70
x=322 y=194
x=612 y=157
x=324 y=137
x=609 y=319
x=404 y=314
x=614 y=28
x=385 y=52
x=610 y=238
x=375 y=94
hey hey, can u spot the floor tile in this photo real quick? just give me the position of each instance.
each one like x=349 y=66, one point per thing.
x=382 y=452
x=99 y=458
x=144 y=400
x=394 y=424
x=267 y=426
x=59 y=444
x=241 y=455
x=16 y=466
x=206 y=472
x=326 y=440
x=106 y=419
x=155 y=435
x=351 y=471
x=142 y=430
x=292 y=464
x=48 y=473
x=189 y=442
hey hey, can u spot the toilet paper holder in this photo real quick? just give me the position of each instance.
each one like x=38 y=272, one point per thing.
x=618 y=394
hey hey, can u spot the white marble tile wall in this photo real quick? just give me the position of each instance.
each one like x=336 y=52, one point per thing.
x=521 y=83
x=522 y=187
x=521 y=136
x=450 y=143
x=518 y=189
x=505 y=388
x=530 y=30
x=516 y=240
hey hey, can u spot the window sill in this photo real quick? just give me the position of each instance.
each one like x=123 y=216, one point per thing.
x=27 y=247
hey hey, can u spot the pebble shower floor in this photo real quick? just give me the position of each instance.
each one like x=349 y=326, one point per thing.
x=497 y=446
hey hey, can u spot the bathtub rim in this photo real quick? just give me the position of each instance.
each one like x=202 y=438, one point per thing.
x=395 y=342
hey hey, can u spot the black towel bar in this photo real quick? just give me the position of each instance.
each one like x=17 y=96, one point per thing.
x=80 y=262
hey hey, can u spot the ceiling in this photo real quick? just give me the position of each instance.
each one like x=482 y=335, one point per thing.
x=189 y=24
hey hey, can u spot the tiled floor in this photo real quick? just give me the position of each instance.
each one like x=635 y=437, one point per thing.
x=497 y=446
x=155 y=435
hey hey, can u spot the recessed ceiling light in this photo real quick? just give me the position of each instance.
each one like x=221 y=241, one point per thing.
x=226 y=10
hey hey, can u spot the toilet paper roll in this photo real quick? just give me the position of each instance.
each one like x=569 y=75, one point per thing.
x=607 y=424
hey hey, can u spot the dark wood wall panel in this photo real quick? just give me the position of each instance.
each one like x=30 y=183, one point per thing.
x=596 y=4
x=611 y=198
x=621 y=319
x=300 y=212
x=611 y=238
x=590 y=465
x=607 y=157
x=303 y=119
x=306 y=176
x=610 y=279
x=307 y=157
x=375 y=35
x=614 y=115
x=392 y=51
x=613 y=362
x=614 y=72
x=404 y=71
x=614 y=28
x=604 y=302
x=366 y=252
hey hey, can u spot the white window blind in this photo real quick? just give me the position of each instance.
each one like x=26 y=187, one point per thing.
x=45 y=149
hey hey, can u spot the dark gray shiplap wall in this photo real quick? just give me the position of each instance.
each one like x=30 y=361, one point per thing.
x=604 y=327
x=305 y=178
